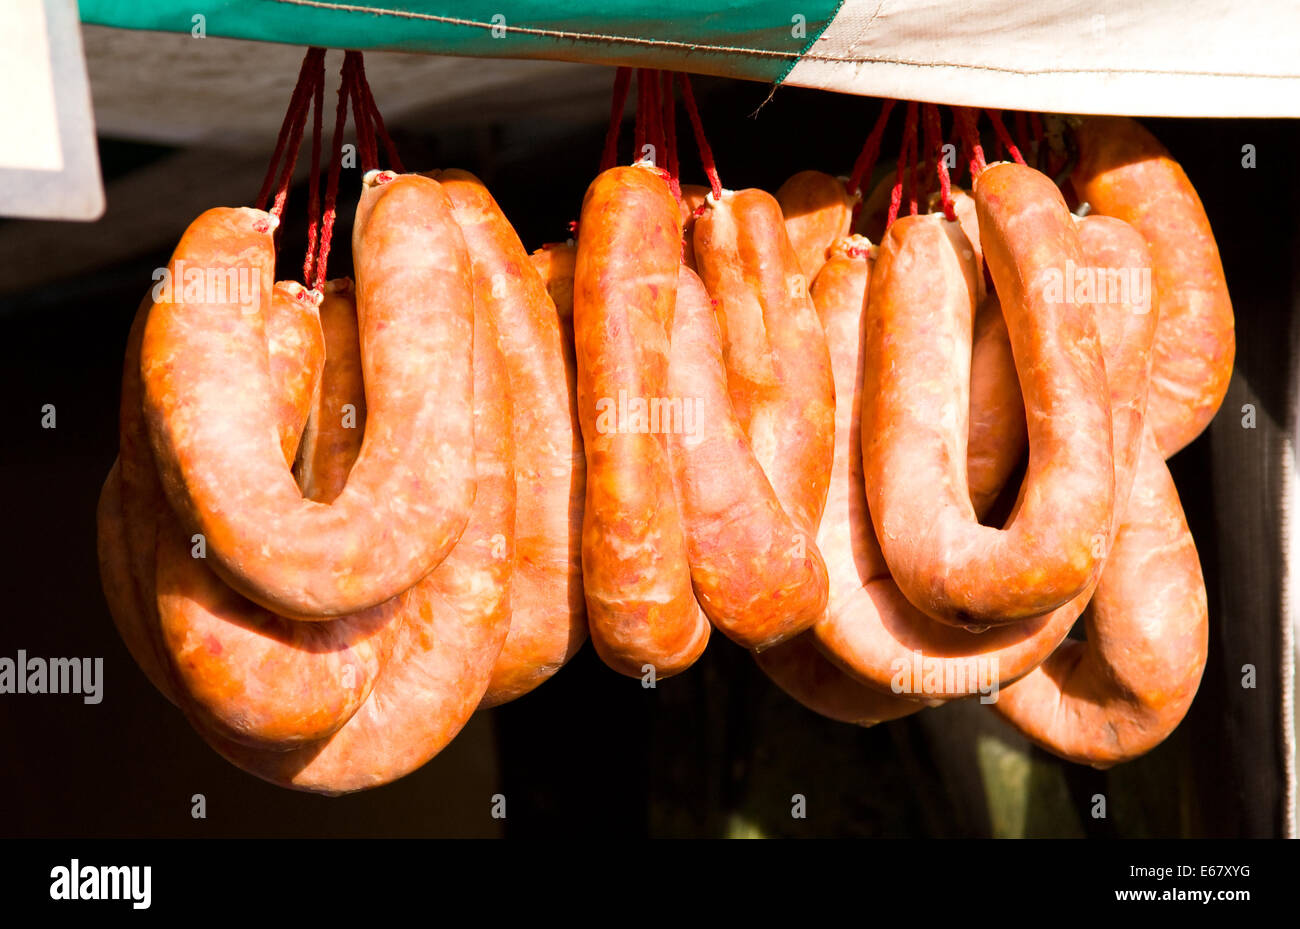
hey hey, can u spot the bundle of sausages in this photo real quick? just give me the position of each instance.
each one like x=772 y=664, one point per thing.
x=844 y=503
x=941 y=384
x=342 y=521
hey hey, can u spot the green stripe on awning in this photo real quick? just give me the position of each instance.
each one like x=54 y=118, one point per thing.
x=754 y=39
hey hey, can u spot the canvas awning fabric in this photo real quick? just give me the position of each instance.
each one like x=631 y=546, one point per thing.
x=1158 y=58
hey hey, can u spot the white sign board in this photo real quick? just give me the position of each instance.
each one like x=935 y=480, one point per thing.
x=49 y=166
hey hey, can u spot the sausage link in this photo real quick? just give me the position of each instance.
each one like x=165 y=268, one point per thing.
x=453 y=624
x=916 y=408
x=260 y=678
x=1127 y=315
x=754 y=573
x=870 y=629
x=997 y=434
x=1124 y=172
x=253 y=676
x=778 y=366
x=409 y=493
x=799 y=669
x=1125 y=689
x=640 y=606
x=332 y=438
x=130 y=615
x=694 y=197
x=751 y=573
x=554 y=265
x=798 y=666
x=548 y=621
x=818 y=210
x=870 y=222
x=129 y=509
x=963 y=207
x=140 y=500
x=1128 y=321
x=295 y=354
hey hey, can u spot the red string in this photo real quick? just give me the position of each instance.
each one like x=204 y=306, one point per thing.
x=346 y=78
x=660 y=132
x=934 y=133
x=668 y=121
x=367 y=152
x=294 y=143
x=286 y=126
x=639 y=126
x=930 y=149
x=377 y=119
x=706 y=153
x=934 y=155
x=969 y=122
x=909 y=133
x=618 y=100
x=1022 y=130
x=313 y=201
x=1004 y=137
x=359 y=100
x=654 y=130
x=896 y=193
x=1039 y=135
x=945 y=192
x=866 y=162
x=350 y=60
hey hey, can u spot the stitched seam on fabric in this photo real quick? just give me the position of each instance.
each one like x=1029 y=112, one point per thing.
x=811 y=42
x=969 y=66
x=757 y=52
x=543 y=33
x=862 y=36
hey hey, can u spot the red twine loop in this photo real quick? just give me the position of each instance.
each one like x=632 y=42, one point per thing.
x=1004 y=137
x=870 y=152
x=289 y=141
x=346 y=78
x=313 y=184
x=376 y=118
x=656 y=125
x=649 y=118
x=618 y=100
x=906 y=153
x=911 y=133
x=934 y=142
x=639 y=123
x=706 y=153
x=968 y=121
x=668 y=122
x=911 y=187
x=367 y=153
x=308 y=98
x=301 y=90
x=1022 y=131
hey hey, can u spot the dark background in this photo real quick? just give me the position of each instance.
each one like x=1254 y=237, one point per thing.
x=718 y=750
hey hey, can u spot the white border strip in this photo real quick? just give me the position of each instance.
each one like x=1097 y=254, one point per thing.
x=1160 y=58
x=1290 y=468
